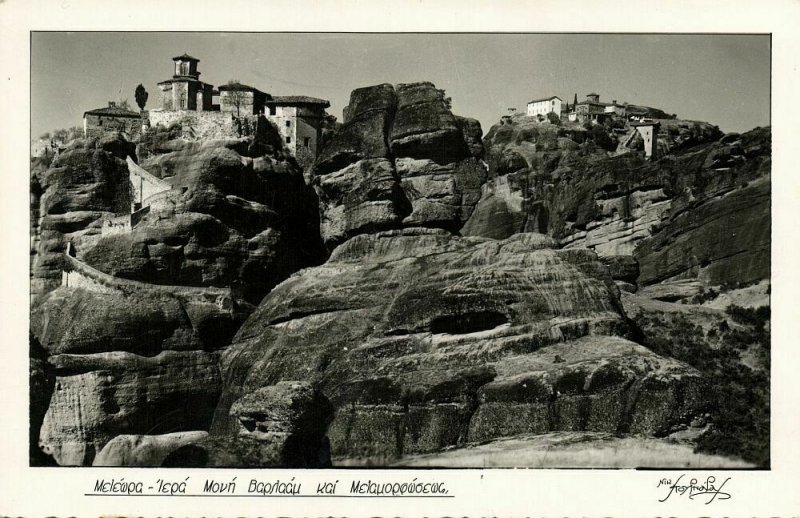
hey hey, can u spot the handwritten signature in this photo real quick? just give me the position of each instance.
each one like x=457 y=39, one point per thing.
x=695 y=488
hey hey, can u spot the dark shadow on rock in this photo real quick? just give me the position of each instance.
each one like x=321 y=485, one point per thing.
x=189 y=456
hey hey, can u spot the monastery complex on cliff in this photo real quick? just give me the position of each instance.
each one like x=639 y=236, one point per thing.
x=206 y=112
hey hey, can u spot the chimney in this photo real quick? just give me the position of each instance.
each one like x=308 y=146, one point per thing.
x=112 y=104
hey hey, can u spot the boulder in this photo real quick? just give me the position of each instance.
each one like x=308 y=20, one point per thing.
x=359 y=139
x=292 y=417
x=146 y=450
x=378 y=98
x=281 y=425
x=499 y=212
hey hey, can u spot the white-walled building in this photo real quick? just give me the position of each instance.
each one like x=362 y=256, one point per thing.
x=649 y=132
x=545 y=106
x=618 y=109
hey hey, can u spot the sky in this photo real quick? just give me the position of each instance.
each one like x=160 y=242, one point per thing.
x=721 y=79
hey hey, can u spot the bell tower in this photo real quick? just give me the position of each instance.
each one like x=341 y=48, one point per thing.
x=186 y=66
x=185 y=91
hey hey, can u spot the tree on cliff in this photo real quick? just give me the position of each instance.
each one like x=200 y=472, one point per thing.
x=329 y=127
x=448 y=101
x=575 y=100
x=66 y=135
x=601 y=138
x=141 y=96
x=236 y=96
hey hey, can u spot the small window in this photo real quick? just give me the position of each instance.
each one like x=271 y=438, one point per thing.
x=288 y=140
x=307 y=141
x=288 y=124
x=272 y=110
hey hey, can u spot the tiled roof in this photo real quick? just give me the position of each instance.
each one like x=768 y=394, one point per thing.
x=297 y=99
x=545 y=99
x=112 y=112
x=238 y=86
x=185 y=57
x=181 y=79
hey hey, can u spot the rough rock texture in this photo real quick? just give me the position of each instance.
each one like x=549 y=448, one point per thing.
x=277 y=410
x=100 y=396
x=724 y=239
x=701 y=211
x=575 y=450
x=410 y=339
x=423 y=340
x=401 y=159
x=143 y=361
x=423 y=127
x=197 y=449
x=290 y=417
x=145 y=450
x=79 y=321
x=731 y=349
x=229 y=220
x=135 y=363
x=42 y=381
x=87 y=181
x=621 y=267
x=363 y=135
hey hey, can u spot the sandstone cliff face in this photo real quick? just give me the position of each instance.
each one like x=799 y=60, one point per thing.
x=730 y=347
x=229 y=220
x=40 y=391
x=100 y=396
x=421 y=340
x=700 y=212
x=410 y=339
x=126 y=363
x=401 y=159
x=84 y=183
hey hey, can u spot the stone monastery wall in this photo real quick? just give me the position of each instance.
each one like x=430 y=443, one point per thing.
x=202 y=125
x=116 y=225
x=78 y=274
x=164 y=200
x=145 y=185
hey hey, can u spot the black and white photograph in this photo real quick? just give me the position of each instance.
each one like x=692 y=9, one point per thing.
x=334 y=259
x=400 y=250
